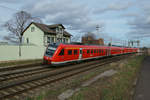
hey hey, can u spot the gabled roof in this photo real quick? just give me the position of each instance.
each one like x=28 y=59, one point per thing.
x=48 y=28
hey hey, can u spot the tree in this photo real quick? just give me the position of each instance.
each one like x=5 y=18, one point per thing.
x=16 y=26
x=76 y=38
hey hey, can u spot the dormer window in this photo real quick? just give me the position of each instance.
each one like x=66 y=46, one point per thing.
x=62 y=31
x=32 y=29
x=57 y=30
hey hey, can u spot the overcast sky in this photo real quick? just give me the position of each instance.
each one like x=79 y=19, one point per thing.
x=120 y=20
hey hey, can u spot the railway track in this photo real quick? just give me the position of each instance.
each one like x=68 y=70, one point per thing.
x=15 y=87
x=21 y=73
x=14 y=67
x=28 y=72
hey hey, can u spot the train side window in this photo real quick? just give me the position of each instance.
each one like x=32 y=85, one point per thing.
x=61 y=52
x=69 y=52
x=99 y=51
x=94 y=51
x=88 y=51
x=75 y=52
x=91 y=51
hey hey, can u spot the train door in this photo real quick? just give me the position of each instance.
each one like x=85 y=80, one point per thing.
x=80 y=54
x=108 y=52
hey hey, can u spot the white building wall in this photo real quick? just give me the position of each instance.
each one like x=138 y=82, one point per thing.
x=36 y=37
x=11 y=52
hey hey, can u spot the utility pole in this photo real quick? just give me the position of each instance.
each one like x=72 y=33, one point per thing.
x=111 y=41
x=138 y=43
x=132 y=43
x=125 y=43
x=97 y=29
x=128 y=43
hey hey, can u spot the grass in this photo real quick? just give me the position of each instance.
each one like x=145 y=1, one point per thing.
x=44 y=95
x=11 y=63
x=74 y=83
x=117 y=87
x=122 y=83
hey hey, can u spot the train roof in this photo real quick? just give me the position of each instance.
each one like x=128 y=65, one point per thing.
x=87 y=46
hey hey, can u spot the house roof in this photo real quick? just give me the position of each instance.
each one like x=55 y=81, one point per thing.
x=55 y=25
x=48 y=28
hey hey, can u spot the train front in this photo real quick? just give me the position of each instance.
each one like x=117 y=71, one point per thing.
x=49 y=53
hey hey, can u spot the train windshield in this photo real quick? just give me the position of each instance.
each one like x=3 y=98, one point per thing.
x=50 y=50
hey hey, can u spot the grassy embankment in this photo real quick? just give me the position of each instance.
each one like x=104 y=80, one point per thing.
x=118 y=87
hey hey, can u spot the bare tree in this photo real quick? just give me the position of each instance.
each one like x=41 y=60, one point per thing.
x=76 y=38
x=16 y=26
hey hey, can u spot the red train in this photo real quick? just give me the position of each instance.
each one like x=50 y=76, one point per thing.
x=64 y=53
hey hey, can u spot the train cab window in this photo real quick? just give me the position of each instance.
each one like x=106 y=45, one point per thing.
x=69 y=52
x=61 y=52
x=75 y=52
x=91 y=51
x=88 y=51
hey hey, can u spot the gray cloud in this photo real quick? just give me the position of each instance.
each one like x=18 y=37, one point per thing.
x=140 y=26
x=118 y=6
x=129 y=15
x=9 y=1
x=67 y=12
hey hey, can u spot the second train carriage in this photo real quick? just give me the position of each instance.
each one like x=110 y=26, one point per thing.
x=63 y=53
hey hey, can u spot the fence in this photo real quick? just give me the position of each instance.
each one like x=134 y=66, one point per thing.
x=11 y=52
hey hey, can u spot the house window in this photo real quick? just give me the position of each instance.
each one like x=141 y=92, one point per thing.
x=32 y=29
x=27 y=40
x=62 y=31
x=66 y=40
x=48 y=39
x=52 y=39
x=59 y=40
x=57 y=30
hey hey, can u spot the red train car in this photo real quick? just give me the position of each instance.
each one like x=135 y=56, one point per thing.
x=64 y=53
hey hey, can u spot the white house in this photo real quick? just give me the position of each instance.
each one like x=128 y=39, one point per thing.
x=41 y=34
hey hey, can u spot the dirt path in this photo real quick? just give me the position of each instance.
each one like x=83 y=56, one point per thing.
x=142 y=91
